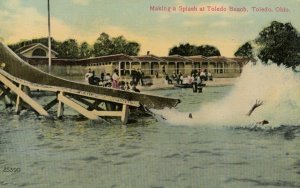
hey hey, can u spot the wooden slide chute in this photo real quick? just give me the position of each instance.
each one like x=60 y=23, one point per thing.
x=16 y=74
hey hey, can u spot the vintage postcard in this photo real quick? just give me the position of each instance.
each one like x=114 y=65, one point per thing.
x=149 y=93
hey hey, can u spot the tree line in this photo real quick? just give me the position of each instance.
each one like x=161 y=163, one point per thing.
x=278 y=42
x=71 y=49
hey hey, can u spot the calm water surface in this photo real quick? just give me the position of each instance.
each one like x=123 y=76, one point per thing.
x=75 y=152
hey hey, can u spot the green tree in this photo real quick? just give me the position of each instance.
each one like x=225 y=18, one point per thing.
x=190 y=50
x=105 y=45
x=69 y=49
x=132 y=48
x=118 y=44
x=280 y=43
x=85 y=51
x=207 y=50
x=184 y=50
x=245 y=50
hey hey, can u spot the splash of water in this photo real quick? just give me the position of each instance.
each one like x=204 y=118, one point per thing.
x=277 y=86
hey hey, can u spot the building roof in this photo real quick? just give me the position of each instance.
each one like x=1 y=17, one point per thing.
x=220 y=59
x=29 y=47
x=175 y=58
x=109 y=58
x=55 y=61
x=24 y=48
x=198 y=58
x=240 y=59
x=149 y=58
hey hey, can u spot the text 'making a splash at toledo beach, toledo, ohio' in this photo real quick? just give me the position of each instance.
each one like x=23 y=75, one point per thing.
x=215 y=8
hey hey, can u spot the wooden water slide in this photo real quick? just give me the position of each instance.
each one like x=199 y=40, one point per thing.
x=17 y=77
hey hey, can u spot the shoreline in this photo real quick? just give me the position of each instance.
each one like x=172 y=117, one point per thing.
x=159 y=84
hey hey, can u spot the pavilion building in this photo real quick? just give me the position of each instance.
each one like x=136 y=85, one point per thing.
x=151 y=65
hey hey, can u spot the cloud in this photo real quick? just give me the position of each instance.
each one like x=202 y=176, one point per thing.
x=81 y=2
x=219 y=24
x=19 y=22
x=193 y=23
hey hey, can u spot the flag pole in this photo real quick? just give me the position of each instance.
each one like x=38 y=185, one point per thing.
x=49 y=39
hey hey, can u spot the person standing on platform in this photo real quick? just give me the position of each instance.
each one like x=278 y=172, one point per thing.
x=141 y=76
x=209 y=75
x=127 y=86
x=174 y=76
x=115 y=80
x=202 y=75
x=179 y=78
x=88 y=75
x=138 y=77
x=164 y=69
x=134 y=76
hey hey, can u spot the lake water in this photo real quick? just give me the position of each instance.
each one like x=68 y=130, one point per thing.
x=75 y=152
x=219 y=147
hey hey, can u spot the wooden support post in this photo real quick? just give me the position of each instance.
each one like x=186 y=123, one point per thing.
x=18 y=100
x=62 y=99
x=38 y=108
x=60 y=109
x=125 y=114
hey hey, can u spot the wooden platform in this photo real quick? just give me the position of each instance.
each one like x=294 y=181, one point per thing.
x=18 y=77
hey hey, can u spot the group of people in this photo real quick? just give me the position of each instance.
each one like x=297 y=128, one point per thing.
x=179 y=79
x=92 y=79
x=196 y=76
x=137 y=77
x=109 y=81
x=203 y=74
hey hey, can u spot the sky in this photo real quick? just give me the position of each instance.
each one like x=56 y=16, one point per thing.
x=156 y=31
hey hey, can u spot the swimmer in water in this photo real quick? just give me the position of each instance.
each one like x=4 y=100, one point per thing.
x=257 y=104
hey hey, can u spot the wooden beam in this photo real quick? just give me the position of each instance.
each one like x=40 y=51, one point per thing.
x=77 y=107
x=95 y=105
x=108 y=113
x=91 y=106
x=23 y=96
x=51 y=104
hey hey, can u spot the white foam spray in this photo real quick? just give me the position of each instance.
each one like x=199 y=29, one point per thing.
x=278 y=87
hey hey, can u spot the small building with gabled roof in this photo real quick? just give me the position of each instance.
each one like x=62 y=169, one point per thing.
x=36 y=50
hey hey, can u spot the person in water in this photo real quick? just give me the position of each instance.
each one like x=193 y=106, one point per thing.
x=257 y=104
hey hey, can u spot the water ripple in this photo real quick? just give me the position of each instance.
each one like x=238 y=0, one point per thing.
x=91 y=158
x=278 y=183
